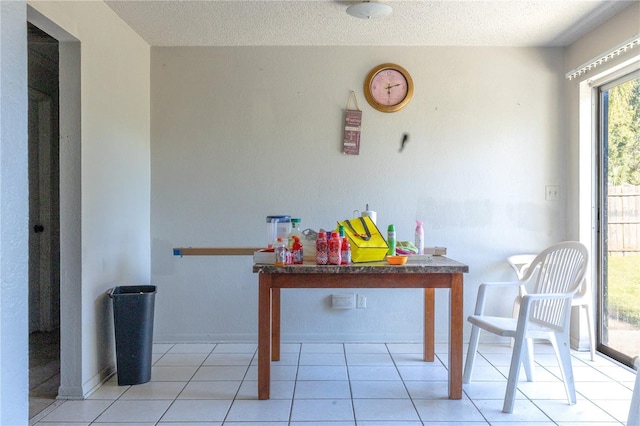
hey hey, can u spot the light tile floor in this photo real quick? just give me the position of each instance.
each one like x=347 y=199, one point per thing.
x=347 y=384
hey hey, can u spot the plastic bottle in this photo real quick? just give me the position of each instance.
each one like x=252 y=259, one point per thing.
x=335 y=247
x=391 y=240
x=280 y=249
x=345 y=252
x=295 y=231
x=419 y=237
x=309 y=246
x=322 y=249
x=277 y=226
x=296 y=251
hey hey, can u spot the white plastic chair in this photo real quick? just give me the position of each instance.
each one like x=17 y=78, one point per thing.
x=555 y=276
x=583 y=298
x=634 y=410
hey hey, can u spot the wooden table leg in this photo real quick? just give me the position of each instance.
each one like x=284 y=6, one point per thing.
x=264 y=336
x=275 y=324
x=429 y=324
x=455 y=337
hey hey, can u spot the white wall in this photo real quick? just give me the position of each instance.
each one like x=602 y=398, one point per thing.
x=14 y=361
x=241 y=133
x=114 y=174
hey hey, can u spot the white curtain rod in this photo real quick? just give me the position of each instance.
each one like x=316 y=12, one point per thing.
x=599 y=60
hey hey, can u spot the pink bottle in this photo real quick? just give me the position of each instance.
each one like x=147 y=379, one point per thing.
x=322 y=249
x=345 y=252
x=419 y=237
x=335 y=247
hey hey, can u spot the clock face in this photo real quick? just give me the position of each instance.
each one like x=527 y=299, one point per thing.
x=388 y=88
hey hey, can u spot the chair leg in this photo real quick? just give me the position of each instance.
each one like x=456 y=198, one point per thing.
x=560 y=343
x=527 y=360
x=514 y=314
x=592 y=337
x=471 y=354
x=519 y=346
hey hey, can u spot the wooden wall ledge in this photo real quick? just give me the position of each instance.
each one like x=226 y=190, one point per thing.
x=215 y=251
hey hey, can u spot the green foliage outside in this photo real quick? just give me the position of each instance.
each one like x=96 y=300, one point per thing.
x=623 y=290
x=623 y=278
x=624 y=134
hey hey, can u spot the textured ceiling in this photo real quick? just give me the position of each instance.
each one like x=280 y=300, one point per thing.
x=325 y=22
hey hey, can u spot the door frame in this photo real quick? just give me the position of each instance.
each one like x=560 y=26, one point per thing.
x=70 y=162
x=602 y=218
x=588 y=163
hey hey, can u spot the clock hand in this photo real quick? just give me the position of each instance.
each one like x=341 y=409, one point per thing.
x=389 y=86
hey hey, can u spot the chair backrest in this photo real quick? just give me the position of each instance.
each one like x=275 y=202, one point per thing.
x=561 y=268
x=520 y=263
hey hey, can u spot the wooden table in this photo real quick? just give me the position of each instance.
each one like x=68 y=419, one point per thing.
x=437 y=272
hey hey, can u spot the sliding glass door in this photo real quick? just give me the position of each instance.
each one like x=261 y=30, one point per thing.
x=619 y=219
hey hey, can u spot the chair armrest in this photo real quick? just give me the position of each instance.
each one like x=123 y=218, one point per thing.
x=527 y=301
x=482 y=291
x=501 y=283
x=546 y=296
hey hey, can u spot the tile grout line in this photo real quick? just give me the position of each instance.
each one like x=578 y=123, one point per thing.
x=517 y=387
x=346 y=366
x=471 y=399
x=186 y=384
x=92 y=422
x=295 y=383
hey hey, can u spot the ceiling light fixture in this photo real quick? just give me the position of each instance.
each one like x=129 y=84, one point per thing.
x=369 y=10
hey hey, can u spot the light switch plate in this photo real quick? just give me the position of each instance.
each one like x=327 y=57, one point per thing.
x=552 y=192
x=343 y=301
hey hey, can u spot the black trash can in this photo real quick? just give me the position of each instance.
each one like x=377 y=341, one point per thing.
x=133 y=308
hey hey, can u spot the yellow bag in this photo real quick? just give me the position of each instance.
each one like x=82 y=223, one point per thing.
x=367 y=244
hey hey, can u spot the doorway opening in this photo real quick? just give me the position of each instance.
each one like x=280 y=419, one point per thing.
x=44 y=219
x=619 y=218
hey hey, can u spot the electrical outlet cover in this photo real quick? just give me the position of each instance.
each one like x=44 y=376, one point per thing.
x=361 y=301
x=343 y=301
